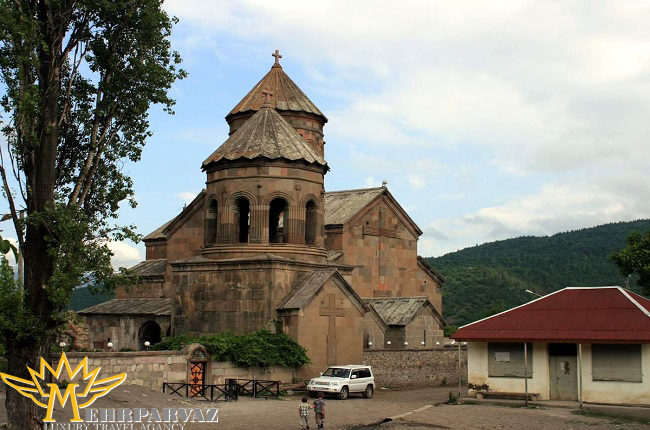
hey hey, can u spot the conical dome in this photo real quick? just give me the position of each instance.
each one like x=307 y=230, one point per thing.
x=266 y=134
x=286 y=96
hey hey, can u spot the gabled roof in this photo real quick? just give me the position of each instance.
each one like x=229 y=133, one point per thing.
x=150 y=268
x=342 y=207
x=287 y=96
x=590 y=315
x=430 y=270
x=309 y=287
x=157 y=306
x=168 y=228
x=401 y=310
x=266 y=134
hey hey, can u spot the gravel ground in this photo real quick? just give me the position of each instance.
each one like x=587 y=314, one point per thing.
x=358 y=413
x=503 y=418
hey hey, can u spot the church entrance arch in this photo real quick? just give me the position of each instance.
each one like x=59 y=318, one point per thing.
x=149 y=332
x=278 y=220
x=198 y=359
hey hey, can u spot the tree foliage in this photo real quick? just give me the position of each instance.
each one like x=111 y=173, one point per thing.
x=259 y=349
x=489 y=278
x=79 y=77
x=635 y=259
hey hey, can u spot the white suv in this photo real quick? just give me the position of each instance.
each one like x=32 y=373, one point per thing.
x=343 y=380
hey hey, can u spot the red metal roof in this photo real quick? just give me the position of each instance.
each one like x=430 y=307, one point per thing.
x=587 y=315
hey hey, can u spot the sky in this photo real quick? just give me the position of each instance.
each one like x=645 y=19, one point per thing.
x=489 y=120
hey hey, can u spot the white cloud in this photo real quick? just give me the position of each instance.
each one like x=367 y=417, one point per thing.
x=124 y=254
x=416 y=181
x=558 y=206
x=546 y=100
x=186 y=196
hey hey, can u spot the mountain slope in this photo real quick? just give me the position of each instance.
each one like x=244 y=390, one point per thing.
x=484 y=279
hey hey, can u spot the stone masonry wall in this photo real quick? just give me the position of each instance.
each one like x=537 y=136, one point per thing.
x=145 y=368
x=151 y=368
x=415 y=368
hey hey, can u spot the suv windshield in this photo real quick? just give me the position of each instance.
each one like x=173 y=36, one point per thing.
x=337 y=372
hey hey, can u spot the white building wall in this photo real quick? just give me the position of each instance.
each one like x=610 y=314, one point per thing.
x=477 y=365
x=633 y=393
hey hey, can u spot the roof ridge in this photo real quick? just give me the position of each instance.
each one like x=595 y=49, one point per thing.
x=356 y=189
x=633 y=300
x=516 y=307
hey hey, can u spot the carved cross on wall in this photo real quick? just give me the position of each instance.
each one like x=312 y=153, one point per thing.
x=332 y=312
x=277 y=56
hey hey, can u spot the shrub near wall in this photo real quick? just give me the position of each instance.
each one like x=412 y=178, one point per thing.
x=258 y=349
x=417 y=368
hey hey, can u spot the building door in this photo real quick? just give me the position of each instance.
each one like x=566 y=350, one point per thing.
x=563 y=371
x=197 y=378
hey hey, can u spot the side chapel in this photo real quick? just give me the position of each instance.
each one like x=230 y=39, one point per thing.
x=263 y=246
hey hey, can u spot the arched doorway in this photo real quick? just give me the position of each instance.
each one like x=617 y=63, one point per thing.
x=149 y=332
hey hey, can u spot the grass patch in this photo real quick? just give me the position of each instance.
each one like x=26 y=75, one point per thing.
x=613 y=418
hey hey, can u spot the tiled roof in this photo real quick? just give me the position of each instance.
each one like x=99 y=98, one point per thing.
x=172 y=225
x=397 y=310
x=342 y=206
x=306 y=290
x=158 y=233
x=266 y=134
x=286 y=95
x=601 y=314
x=157 y=306
x=150 y=268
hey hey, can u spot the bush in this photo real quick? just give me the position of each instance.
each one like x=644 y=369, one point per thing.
x=258 y=349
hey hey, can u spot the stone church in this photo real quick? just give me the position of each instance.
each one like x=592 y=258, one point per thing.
x=263 y=246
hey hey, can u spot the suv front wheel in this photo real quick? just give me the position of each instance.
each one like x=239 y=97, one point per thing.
x=343 y=394
x=367 y=393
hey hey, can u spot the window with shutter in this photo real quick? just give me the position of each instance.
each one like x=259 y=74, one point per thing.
x=616 y=362
x=507 y=359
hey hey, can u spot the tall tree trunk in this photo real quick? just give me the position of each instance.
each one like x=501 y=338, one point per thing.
x=22 y=412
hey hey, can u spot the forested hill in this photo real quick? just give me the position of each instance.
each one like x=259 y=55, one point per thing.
x=492 y=277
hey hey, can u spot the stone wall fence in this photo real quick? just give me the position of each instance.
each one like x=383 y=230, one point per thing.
x=151 y=368
x=417 y=367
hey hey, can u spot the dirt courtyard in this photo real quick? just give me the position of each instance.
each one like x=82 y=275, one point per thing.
x=419 y=409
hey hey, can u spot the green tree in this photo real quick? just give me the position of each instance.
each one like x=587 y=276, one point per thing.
x=635 y=259
x=79 y=77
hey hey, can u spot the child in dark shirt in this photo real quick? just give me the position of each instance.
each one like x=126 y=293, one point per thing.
x=319 y=410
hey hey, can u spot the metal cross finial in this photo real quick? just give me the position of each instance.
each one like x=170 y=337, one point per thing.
x=267 y=97
x=277 y=56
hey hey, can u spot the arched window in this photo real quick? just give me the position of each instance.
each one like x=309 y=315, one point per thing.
x=242 y=219
x=149 y=332
x=310 y=223
x=211 y=223
x=278 y=220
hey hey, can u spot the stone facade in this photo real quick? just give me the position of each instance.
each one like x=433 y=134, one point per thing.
x=124 y=331
x=264 y=247
x=151 y=368
x=413 y=368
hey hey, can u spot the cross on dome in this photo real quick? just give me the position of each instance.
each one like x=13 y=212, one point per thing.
x=277 y=56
